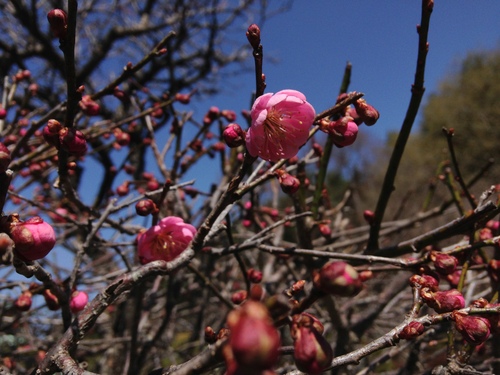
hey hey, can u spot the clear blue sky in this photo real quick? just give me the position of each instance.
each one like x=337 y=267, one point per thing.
x=313 y=41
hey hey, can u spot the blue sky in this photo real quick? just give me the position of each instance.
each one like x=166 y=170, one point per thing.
x=313 y=41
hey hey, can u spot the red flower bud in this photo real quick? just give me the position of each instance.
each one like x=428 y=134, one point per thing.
x=51 y=300
x=443 y=301
x=89 y=106
x=238 y=297
x=366 y=112
x=254 y=340
x=312 y=353
x=33 y=238
x=474 y=329
x=411 y=331
x=73 y=141
x=58 y=21
x=254 y=276
x=183 y=98
x=424 y=281
x=289 y=184
x=444 y=263
x=23 y=302
x=145 y=207
x=4 y=158
x=210 y=335
x=51 y=132
x=369 y=216
x=253 y=35
x=338 y=278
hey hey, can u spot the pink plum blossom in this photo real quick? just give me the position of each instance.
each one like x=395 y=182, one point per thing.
x=164 y=241
x=280 y=125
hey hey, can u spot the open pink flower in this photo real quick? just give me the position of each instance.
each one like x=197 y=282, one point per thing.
x=164 y=241
x=280 y=125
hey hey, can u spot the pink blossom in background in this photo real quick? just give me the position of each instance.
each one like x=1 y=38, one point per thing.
x=280 y=125
x=164 y=241
x=78 y=301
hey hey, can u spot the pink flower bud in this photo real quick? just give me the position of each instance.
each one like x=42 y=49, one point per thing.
x=210 y=335
x=123 y=189
x=325 y=229
x=146 y=207
x=234 y=135
x=89 y=106
x=369 y=216
x=51 y=300
x=443 y=301
x=411 y=331
x=474 y=329
x=253 y=35
x=424 y=281
x=338 y=278
x=289 y=184
x=164 y=241
x=183 y=98
x=51 y=132
x=4 y=158
x=73 y=141
x=228 y=115
x=33 y=238
x=366 y=112
x=23 y=302
x=254 y=340
x=58 y=21
x=344 y=131
x=312 y=353
x=444 y=263
x=78 y=301
x=3 y=113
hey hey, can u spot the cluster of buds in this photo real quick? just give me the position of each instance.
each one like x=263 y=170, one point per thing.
x=253 y=342
x=33 y=239
x=312 y=353
x=344 y=130
x=338 y=278
x=68 y=139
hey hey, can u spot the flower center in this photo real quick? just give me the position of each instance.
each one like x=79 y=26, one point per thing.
x=273 y=126
x=163 y=243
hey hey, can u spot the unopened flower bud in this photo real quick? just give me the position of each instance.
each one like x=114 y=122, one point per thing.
x=254 y=340
x=369 y=216
x=474 y=329
x=289 y=184
x=33 y=238
x=312 y=353
x=443 y=301
x=229 y=115
x=146 y=207
x=51 y=300
x=123 y=189
x=4 y=158
x=366 y=112
x=58 y=21
x=23 y=302
x=73 y=141
x=51 y=132
x=325 y=229
x=183 y=98
x=253 y=35
x=411 y=331
x=338 y=278
x=254 y=276
x=424 y=281
x=78 y=301
x=210 y=335
x=444 y=263
x=89 y=106
x=343 y=131
x=238 y=297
